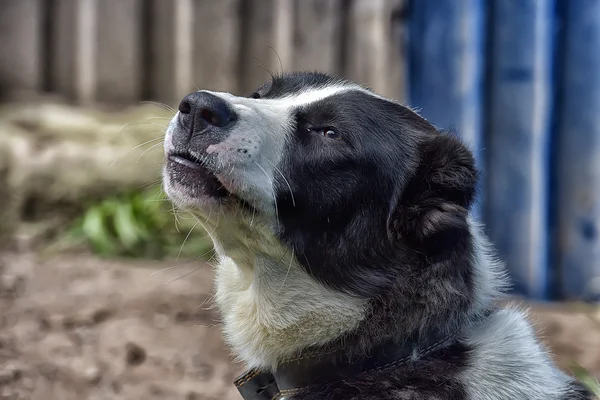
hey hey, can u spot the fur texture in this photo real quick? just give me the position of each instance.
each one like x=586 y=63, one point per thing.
x=342 y=218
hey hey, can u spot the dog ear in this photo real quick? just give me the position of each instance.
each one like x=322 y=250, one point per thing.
x=432 y=210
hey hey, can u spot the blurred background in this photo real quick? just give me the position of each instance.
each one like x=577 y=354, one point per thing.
x=105 y=290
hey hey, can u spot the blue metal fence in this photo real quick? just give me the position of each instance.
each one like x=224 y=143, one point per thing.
x=519 y=81
x=446 y=67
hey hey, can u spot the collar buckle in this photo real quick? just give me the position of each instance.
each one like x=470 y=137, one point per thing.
x=257 y=385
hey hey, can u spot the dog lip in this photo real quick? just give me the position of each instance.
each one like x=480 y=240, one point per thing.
x=219 y=190
x=187 y=160
x=212 y=184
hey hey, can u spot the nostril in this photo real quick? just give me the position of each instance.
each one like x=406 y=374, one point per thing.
x=216 y=113
x=210 y=117
x=185 y=107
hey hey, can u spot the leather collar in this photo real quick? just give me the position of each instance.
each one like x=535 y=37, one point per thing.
x=295 y=376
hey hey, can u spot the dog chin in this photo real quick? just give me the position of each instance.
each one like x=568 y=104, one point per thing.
x=194 y=197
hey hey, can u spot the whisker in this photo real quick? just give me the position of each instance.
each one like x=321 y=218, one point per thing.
x=217 y=223
x=265 y=68
x=156 y=103
x=184 y=275
x=309 y=267
x=286 y=181
x=253 y=213
x=275 y=266
x=223 y=212
x=204 y=225
x=155 y=124
x=181 y=264
x=186 y=238
x=159 y=196
x=288 y=272
x=279 y=58
x=135 y=148
x=150 y=184
x=165 y=118
x=209 y=299
x=148 y=142
x=159 y=200
x=211 y=258
x=209 y=326
x=138 y=123
x=272 y=190
x=187 y=216
x=176 y=220
x=207 y=218
x=147 y=150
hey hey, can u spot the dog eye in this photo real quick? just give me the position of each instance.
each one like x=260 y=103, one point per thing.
x=330 y=134
x=255 y=95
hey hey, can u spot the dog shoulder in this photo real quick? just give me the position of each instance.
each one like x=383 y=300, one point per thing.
x=508 y=361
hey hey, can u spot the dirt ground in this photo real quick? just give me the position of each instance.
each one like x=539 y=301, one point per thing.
x=77 y=327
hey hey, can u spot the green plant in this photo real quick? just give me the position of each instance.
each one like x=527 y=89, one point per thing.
x=587 y=379
x=139 y=224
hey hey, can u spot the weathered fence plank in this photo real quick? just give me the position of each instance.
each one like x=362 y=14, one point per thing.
x=258 y=42
x=283 y=30
x=216 y=45
x=316 y=36
x=20 y=49
x=518 y=139
x=578 y=151
x=373 y=48
x=194 y=45
x=446 y=62
x=62 y=64
x=72 y=49
x=170 y=50
x=119 y=51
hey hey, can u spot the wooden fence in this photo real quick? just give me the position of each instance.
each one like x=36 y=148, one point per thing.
x=122 y=51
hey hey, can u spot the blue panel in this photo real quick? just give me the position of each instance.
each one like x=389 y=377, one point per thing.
x=578 y=152
x=518 y=139
x=445 y=66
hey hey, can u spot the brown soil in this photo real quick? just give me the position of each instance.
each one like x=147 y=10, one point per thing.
x=77 y=327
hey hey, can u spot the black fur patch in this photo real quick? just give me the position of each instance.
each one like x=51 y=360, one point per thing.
x=576 y=391
x=294 y=82
x=432 y=215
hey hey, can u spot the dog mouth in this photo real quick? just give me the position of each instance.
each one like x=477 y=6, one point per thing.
x=199 y=181
x=189 y=161
x=189 y=172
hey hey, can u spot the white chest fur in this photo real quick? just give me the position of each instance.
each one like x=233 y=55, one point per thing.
x=274 y=308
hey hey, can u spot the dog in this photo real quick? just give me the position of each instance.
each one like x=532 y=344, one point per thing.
x=349 y=264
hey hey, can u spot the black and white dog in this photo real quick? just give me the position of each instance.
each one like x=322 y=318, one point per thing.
x=349 y=267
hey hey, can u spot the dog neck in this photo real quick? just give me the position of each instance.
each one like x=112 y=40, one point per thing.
x=314 y=369
x=273 y=310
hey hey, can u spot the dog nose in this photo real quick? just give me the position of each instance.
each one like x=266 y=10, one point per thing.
x=201 y=109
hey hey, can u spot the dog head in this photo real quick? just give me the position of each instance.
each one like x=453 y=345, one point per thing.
x=322 y=199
